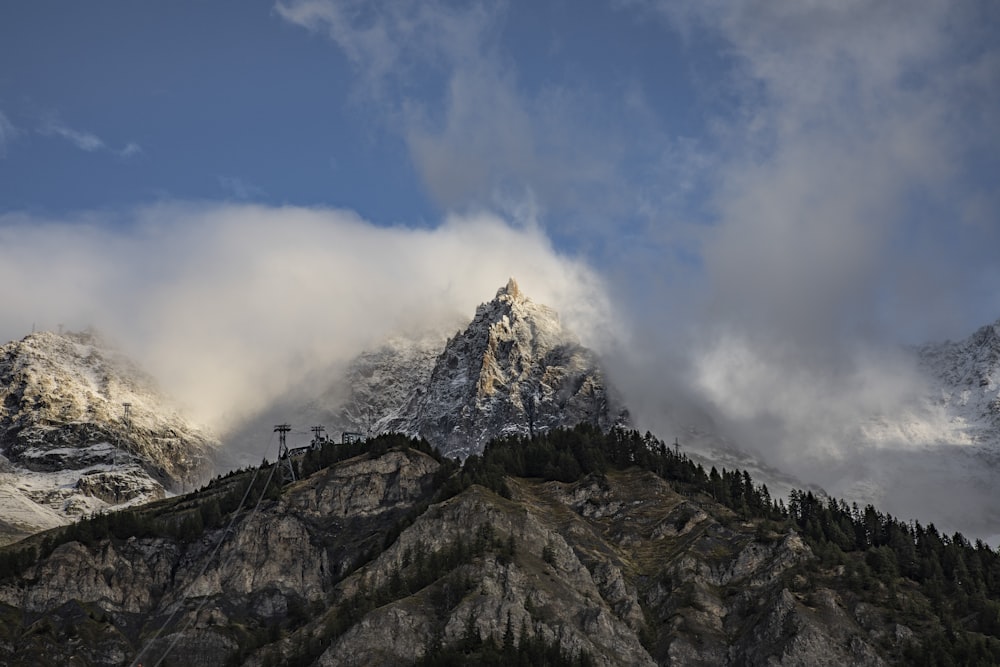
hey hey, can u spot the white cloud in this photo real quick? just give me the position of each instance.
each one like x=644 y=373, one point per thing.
x=85 y=141
x=232 y=305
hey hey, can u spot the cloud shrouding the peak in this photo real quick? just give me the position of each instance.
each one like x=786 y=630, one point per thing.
x=231 y=306
x=839 y=186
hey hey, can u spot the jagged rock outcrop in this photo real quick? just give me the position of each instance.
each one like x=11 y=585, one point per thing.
x=354 y=565
x=66 y=446
x=514 y=370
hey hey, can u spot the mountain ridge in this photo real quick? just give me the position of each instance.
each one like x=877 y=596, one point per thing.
x=387 y=553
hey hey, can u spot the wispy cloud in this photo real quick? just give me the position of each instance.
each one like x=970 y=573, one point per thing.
x=239 y=188
x=131 y=148
x=390 y=43
x=437 y=74
x=8 y=132
x=52 y=126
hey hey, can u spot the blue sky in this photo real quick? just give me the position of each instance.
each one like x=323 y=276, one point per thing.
x=224 y=100
x=118 y=104
x=805 y=178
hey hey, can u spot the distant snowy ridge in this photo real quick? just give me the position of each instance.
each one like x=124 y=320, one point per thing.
x=956 y=401
x=936 y=456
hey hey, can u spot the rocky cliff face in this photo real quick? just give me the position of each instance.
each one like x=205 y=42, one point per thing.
x=66 y=448
x=356 y=565
x=514 y=370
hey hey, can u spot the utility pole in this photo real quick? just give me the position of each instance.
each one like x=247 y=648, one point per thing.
x=317 y=435
x=677 y=448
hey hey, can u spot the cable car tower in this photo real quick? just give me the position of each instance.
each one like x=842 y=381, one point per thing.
x=288 y=470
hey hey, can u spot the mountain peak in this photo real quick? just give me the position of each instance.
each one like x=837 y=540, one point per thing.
x=511 y=290
x=511 y=304
x=514 y=370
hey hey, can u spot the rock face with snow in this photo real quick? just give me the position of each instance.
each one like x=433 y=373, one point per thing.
x=66 y=446
x=383 y=383
x=514 y=370
x=968 y=374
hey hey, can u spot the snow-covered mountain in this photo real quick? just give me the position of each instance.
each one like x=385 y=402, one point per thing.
x=513 y=370
x=967 y=375
x=65 y=446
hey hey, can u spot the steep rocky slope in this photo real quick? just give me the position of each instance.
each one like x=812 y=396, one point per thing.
x=65 y=447
x=373 y=562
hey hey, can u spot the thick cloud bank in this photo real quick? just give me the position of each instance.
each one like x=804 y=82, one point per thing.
x=230 y=306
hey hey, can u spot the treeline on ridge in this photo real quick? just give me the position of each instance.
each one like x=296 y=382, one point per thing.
x=960 y=579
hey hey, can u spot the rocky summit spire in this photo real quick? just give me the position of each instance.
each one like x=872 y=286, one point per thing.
x=511 y=290
x=513 y=371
